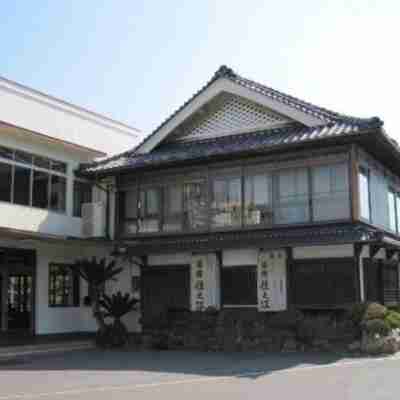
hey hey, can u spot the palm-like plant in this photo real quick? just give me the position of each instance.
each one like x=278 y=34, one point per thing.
x=116 y=306
x=96 y=274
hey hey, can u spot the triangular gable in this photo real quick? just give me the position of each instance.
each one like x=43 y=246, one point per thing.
x=237 y=90
x=227 y=114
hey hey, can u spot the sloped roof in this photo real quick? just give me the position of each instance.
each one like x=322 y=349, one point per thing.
x=235 y=144
x=331 y=124
x=266 y=238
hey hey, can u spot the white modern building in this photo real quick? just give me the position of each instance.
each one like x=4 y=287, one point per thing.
x=43 y=140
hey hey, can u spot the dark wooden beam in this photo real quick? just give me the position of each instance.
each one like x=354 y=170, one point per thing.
x=289 y=277
x=354 y=186
x=357 y=253
x=374 y=249
x=390 y=253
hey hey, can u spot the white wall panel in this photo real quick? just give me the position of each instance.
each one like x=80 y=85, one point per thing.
x=345 y=250
x=231 y=258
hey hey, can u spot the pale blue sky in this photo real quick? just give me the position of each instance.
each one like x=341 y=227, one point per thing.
x=137 y=61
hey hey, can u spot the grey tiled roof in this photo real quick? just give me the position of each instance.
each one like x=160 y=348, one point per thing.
x=267 y=238
x=235 y=144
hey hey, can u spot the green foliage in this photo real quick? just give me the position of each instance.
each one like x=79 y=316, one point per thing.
x=117 y=305
x=357 y=312
x=392 y=319
x=376 y=326
x=96 y=273
x=375 y=311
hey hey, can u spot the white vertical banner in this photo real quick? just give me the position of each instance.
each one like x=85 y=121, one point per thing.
x=204 y=282
x=271 y=280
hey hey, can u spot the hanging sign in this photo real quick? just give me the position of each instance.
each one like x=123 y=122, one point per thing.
x=204 y=282
x=271 y=280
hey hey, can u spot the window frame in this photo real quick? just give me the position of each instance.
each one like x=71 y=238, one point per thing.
x=363 y=171
x=25 y=160
x=75 y=288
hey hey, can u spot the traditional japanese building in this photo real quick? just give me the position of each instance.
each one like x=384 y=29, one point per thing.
x=246 y=202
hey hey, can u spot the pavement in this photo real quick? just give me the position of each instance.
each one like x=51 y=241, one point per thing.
x=122 y=375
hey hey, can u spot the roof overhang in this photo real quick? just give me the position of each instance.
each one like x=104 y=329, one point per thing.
x=33 y=237
x=93 y=153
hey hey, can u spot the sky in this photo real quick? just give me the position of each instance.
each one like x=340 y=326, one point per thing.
x=139 y=60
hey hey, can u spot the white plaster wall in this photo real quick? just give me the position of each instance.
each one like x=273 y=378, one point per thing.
x=231 y=258
x=170 y=259
x=345 y=250
x=36 y=220
x=31 y=110
x=49 y=320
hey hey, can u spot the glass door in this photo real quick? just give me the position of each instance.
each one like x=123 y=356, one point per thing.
x=19 y=301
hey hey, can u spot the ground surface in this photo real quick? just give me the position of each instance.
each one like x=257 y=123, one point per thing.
x=121 y=375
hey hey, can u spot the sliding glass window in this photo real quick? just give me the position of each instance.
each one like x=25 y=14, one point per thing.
x=363 y=181
x=330 y=192
x=258 y=199
x=226 y=202
x=5 y=182
x=292 y=196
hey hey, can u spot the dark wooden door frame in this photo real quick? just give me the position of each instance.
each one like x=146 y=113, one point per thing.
x=29 y=267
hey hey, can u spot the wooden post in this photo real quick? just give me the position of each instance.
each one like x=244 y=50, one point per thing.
x=359 y=284
x=354 y=185
x=289 y=277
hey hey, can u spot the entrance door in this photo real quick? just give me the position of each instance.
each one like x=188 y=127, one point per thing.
x=165 y=289
x=17 y=290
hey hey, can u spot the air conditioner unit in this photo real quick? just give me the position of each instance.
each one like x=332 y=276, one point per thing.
x=94 y=219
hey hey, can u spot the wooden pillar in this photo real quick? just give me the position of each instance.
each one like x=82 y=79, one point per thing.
x=289 y=278
x=143 y=265
x=359 y=282
x=354 y=185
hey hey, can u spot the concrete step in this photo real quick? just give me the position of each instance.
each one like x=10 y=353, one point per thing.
x=45 y=348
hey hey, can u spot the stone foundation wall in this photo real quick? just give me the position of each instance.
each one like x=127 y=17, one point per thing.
x=249 y=330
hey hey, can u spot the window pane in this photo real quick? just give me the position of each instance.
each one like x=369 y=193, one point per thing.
x=82 y=194
x=149 y=210
x=22 y=185
x=226 y=205
x=292 y=196
x=330 y=192
x=152 y=199
x=258 y=200
x=131 y=204
x=23 y=157
x=398 y=211
x=364 y=195
x=5 y=182
x=41 y=162
x=173 y=209
x=40 y=189
x=196 y=212
x=6 y=153
x=59 y=166
x=58 y=193
x=392 y=211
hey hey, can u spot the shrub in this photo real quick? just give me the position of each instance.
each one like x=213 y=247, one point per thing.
x=357 y=312
x=376 y=326
x=392 y=319
x=375 y=311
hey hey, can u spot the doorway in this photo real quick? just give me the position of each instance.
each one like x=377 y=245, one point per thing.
x=17 y=291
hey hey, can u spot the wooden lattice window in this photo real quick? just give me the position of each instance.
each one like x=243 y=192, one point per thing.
x=63 y=286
